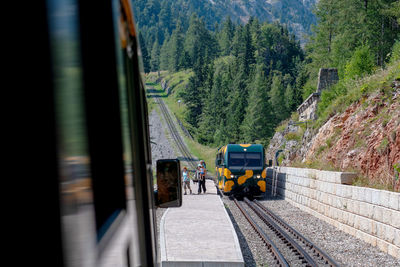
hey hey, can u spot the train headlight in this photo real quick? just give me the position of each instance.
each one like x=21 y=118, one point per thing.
x=258 y=176
x=232 y=176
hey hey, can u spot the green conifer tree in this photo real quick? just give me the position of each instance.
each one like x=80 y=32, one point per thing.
x=257 y=124
x=155 y=56
x=277 y=99
x=164 y=55
x=145 y=54
x=176 y=49
x=226 y=37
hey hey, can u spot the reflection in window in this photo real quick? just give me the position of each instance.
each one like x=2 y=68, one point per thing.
x=121 y=34
x=71 y=131
x=75 y=177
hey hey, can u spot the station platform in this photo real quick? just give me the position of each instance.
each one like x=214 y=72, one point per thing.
x=199 y=233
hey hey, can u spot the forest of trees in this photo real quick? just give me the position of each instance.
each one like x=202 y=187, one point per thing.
x=239 y=97
x=242 y=74
x=158 y=18
x=346 y=26
x=248 y=78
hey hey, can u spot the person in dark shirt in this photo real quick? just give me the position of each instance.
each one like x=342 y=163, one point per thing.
x=202 y=178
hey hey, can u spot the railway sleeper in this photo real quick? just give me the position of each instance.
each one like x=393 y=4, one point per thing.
x=304 y=240
x=293 y=246
x=281 y=261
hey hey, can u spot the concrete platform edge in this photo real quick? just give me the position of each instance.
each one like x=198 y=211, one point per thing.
x=201 y=264
x=162 y=239
x=237 y=245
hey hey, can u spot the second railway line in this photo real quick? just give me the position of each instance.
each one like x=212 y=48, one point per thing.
x=175 y=134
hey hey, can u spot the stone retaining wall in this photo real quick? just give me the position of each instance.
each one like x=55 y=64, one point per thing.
x=308 y=109
x=369 y=214
x=326 y=78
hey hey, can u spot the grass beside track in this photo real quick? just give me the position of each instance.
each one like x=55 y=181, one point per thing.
x=177 y=82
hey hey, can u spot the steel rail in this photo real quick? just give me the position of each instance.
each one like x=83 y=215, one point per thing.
x=304 y=256
x=175 y=135
x=328 y=260
x=280 y=260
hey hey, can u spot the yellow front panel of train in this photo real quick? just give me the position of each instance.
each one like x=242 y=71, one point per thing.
x=262 y=185
x=228 y=186
x=247 y=175
x=227 y=173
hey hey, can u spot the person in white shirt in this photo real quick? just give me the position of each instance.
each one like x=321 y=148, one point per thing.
x=186 y=180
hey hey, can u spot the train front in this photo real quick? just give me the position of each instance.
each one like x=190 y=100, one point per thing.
x=245 y=172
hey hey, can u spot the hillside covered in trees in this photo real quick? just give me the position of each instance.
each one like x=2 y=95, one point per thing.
x=248 y=77
x=240 y=77
x=158 y=18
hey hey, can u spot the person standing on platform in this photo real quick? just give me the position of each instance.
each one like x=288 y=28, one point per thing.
x=202 y=178
x=202 y=162
x=186 y=180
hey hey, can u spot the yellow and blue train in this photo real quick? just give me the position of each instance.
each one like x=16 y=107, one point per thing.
x=241 y=169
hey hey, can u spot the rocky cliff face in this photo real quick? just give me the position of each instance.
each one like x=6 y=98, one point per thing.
x=364 y=138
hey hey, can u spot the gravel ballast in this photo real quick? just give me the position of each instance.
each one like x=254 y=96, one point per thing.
x=161 y=147
x=345 y=249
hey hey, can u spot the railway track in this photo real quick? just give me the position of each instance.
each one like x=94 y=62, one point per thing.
x=175 y=135
x=289 y=248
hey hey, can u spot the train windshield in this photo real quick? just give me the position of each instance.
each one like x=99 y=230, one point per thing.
x=247 y=159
